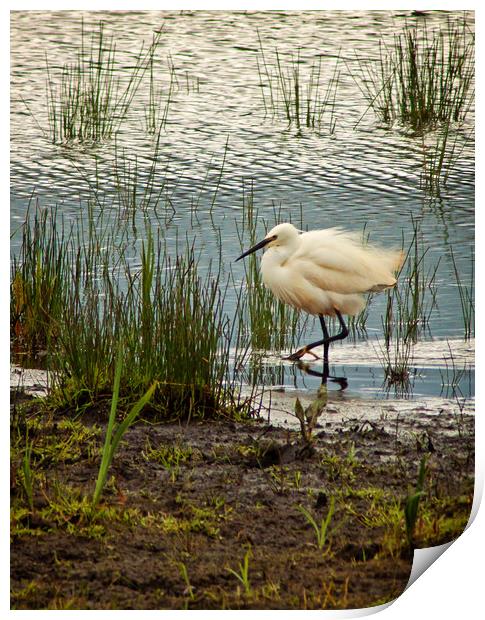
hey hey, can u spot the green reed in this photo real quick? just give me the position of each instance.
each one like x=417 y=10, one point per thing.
x=113 y=438
x=89 y=101
x=424 y=78
x=303 y=100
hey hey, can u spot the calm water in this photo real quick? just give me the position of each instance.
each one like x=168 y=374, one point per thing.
x=365 y=175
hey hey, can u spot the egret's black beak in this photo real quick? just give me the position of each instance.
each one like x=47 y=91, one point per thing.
x=258 y=246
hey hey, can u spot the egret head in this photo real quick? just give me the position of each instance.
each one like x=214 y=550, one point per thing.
x=282 y=234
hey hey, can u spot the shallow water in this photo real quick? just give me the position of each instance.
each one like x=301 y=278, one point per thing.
x=363 y=175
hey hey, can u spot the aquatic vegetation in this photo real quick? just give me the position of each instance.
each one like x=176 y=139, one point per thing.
x=37 y=293
x=440 y=157
x=424 y=78
x=90 y=102
x=301 y=99
x=138 y=187
x=408 y=310
x=169 y=320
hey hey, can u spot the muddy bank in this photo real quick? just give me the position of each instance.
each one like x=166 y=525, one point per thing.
x=218 y=514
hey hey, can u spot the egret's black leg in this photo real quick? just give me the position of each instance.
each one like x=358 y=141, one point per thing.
x=327 y=339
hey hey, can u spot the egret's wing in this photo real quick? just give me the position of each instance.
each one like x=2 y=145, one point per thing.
x=337 y=261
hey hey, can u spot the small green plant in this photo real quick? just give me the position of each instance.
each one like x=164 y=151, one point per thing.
x=189 y=589
x=321 y=531
x=412 y=503
x=112 y=441
x=341 y=468
x=242 y=574
x=308 y=417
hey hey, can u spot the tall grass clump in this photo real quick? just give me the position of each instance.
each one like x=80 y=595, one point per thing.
x=167 y=317
x=303 y=100
x=93 y=96
x=37 y=289
x=424 y=77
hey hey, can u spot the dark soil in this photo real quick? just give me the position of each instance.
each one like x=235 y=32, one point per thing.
x=185 y=504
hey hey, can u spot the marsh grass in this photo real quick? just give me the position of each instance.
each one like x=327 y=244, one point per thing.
x=167 y=317
x=27 y=475
x=424 y=78
x=452 y=377
x=37 y=290
x=89 y=100
x=302 y=99
x=409 y=307
x=441 y=152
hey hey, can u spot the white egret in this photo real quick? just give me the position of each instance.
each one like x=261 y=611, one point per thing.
x=324 y=272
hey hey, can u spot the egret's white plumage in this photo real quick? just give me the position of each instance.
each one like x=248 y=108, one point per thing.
x=325 y=270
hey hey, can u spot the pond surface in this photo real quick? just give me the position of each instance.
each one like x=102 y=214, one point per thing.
x=219 y=142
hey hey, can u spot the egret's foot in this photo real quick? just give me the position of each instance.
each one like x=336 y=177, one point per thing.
x=297 y=355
